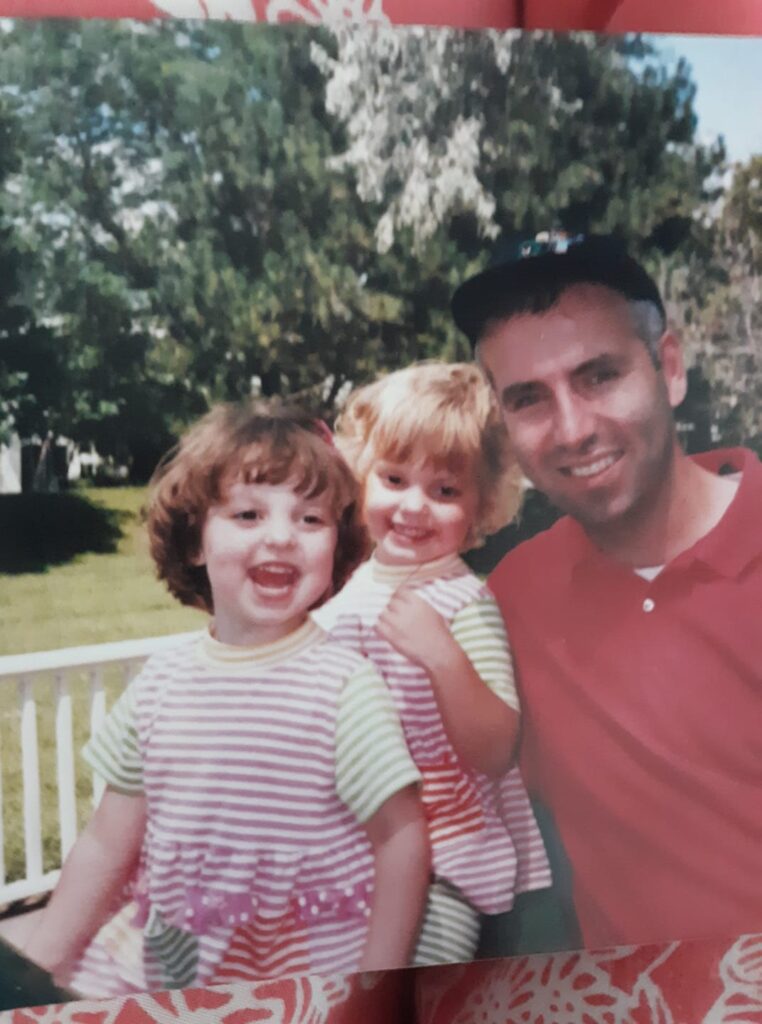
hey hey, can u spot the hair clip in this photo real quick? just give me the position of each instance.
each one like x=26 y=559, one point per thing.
x=323 y=430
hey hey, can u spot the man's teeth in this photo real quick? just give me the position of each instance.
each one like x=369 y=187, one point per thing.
x=593 y=467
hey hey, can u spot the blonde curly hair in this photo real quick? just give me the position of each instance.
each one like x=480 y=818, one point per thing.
x=448 y=411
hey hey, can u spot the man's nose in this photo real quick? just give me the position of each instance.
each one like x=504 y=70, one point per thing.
x=574 y=421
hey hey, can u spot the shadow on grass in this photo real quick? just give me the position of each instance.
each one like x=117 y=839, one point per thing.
x=41 y=530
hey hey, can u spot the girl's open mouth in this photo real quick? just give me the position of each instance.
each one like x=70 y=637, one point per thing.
x=274 y=575
x=413 y=534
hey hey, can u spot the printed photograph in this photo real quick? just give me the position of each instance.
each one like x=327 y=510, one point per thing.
x=381 y=566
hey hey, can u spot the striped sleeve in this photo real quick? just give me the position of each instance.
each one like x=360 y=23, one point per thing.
x=113 y=752
x=480 y=631
x=372 y=759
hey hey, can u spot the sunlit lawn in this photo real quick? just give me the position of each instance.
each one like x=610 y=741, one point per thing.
x=94 y=598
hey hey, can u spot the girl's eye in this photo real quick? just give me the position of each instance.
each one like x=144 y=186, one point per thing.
x=394 y=479
x=248 y=515
x=449 y=491
x=313 y=519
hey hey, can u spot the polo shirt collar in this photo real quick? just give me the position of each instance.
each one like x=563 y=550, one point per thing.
x=727 y=548
x=737 y=538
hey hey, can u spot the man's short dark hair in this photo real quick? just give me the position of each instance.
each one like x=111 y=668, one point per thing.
x=534 y=283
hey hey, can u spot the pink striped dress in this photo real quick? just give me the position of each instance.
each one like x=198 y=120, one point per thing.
x=258 y=766
x=486 y=845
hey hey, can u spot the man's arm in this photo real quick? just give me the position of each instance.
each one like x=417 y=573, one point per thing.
x=402 y=862
x=95 y=871
x=481 y=726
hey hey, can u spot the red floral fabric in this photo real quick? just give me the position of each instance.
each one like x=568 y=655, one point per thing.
x=723 y=17
x=361 y=999
x=729 y=17
x=471 y=14
x=712 y=982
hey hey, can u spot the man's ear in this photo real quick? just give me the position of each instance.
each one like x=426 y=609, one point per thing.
x=672 y=367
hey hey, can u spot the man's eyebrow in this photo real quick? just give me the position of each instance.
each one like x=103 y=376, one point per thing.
x=603 y=361
x=512 y=392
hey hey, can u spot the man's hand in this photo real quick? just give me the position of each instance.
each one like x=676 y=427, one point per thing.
x=414 y=628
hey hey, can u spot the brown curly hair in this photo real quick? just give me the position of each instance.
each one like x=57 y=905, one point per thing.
x=447 y=410
x=259 y=441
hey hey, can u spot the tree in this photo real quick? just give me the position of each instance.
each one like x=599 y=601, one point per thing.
x=456 y=138
x=488 y=132
x=174 y=189
x=32 y=375
x=209 y=209
x=724 y=320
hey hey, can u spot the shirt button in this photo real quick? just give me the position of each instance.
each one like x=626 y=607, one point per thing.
x=649 y=605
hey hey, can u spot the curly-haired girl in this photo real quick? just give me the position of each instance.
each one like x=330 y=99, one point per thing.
x=260 y=796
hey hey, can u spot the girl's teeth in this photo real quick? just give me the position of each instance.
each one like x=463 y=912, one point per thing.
x=413 y=534
x=594 y=467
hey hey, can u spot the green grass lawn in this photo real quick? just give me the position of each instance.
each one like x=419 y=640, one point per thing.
x=92 y=598
x=95 y=598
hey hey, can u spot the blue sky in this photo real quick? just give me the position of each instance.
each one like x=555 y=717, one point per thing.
x=728 y=74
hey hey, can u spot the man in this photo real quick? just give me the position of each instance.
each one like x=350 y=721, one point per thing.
x=636 y=621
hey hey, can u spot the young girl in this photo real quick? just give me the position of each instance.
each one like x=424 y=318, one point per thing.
x=260 y=794
x=429 y=448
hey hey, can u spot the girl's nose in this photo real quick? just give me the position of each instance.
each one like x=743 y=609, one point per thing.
x=279 y=531
x=413 y=500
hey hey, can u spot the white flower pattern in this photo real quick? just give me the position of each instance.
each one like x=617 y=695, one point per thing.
x=741 y=976
x=324 y=12
x=313 y=12
x=671 y=984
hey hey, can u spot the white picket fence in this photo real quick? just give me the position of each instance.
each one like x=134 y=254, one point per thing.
x=62 y=666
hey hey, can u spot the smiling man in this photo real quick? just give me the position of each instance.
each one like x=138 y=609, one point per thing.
x=636 y=621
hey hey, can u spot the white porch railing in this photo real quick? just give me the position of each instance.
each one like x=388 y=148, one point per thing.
x=63 y=667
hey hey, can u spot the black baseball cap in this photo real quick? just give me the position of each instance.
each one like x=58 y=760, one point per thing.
x=529 y=276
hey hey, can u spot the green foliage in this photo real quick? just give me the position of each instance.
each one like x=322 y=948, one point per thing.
x=461 y=136
x=32 y=367
x=198 y=208
x=175 y=194
x=723 y=318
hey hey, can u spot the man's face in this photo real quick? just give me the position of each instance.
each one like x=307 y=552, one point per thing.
x=588 y=412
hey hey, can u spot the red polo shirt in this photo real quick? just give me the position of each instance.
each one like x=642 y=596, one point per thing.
x=642 y=712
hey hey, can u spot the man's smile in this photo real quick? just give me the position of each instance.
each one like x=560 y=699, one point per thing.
x=591 y=467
